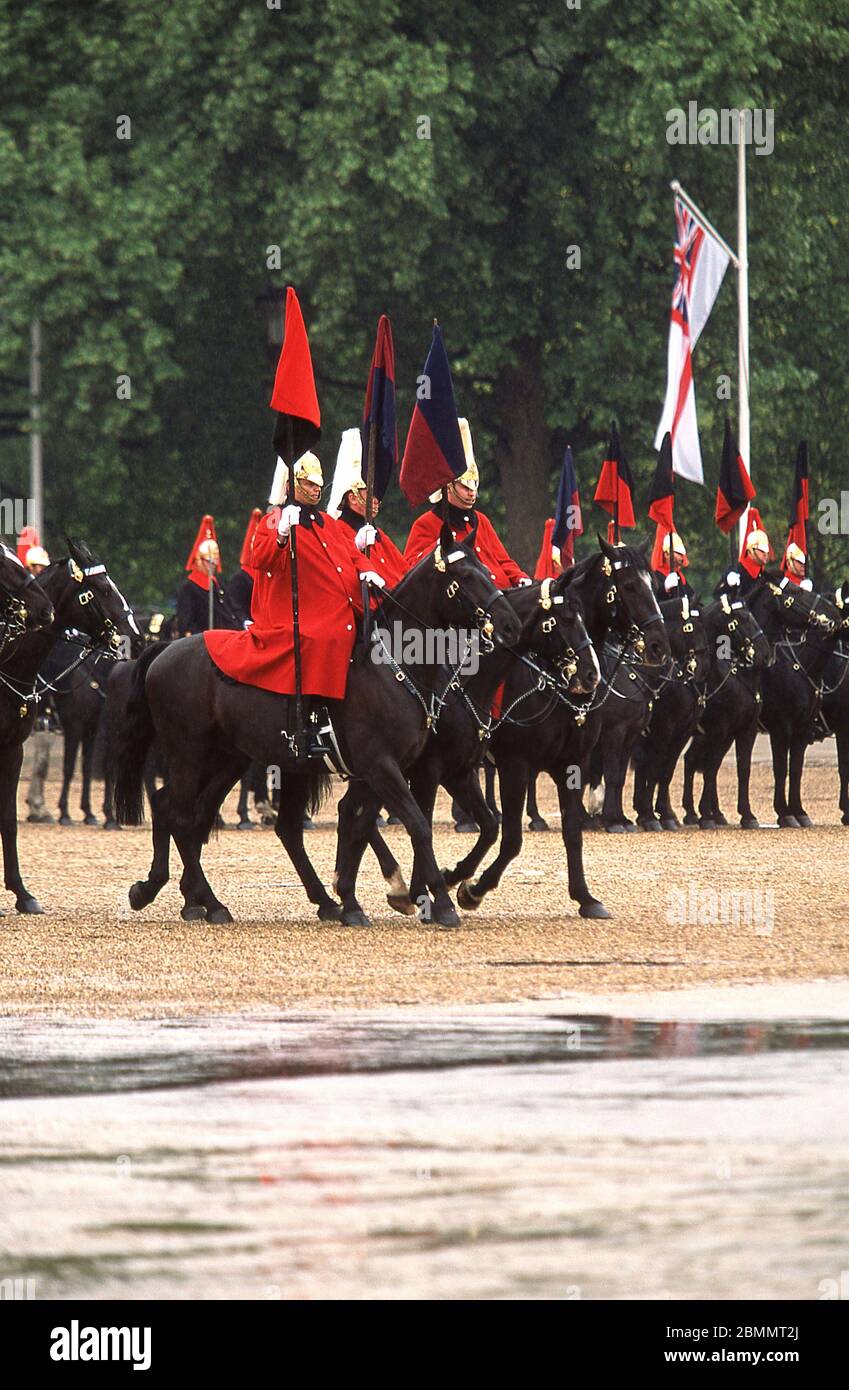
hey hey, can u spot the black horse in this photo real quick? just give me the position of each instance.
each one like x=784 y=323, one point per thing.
x=212 y=728
x=553 y=644
x=539 y=732
x=674 y=713
x=76 y=594
x=793 y=690
x=739 y=656
x=835 y=702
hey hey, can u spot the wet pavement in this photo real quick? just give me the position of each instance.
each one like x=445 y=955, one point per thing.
x=538 y=1152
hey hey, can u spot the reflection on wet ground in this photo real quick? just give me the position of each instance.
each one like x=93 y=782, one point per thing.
x=400 y=1157
x=46 y=1057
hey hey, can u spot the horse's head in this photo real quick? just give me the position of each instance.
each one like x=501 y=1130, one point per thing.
x=85 y=598
x=794 y=608
x=628 y=596
x=553 y=626
x=738 y=635
x=461 y=593
x=688 y=639
x=841 y=603
x=23 y=602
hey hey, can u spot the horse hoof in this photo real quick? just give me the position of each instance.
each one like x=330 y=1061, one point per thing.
x=691 y=818
x=465 y=827
x=538 y=824
x=112 y=825
x=720 y=819
x=91 y=820
x=65 y=820
x=615 y=829
x=308 y=823
x=246 y=825
x=445 y=917
x=355 y=918
x=805 y=821
x=329 y=912
x=467 y=899
x=750 y=823
x=220 y=916
x=401 y=902
x=668 y=824
x=29 y=905
x=394 y=820
x=706 y=823
x=193 y=912
x=649 y=823
x=844 y=819
x=139 y=896
x=594 y=909
x=788 y=823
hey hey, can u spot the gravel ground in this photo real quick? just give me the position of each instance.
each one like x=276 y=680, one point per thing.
x=670 y=929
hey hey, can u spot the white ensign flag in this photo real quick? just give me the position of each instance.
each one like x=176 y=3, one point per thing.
x=701 y=263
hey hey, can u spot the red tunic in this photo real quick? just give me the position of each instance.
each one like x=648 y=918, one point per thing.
x=330 y=600
x=385 y=557
x=424 y=535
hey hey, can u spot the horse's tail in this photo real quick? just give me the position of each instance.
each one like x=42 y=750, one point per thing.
x=135 y=735
x=318 y=784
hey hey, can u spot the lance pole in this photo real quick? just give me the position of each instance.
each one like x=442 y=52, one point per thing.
x=299 y=735
x=743 y=310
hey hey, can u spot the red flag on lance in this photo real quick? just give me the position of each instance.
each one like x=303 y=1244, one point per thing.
x=799 y=507
x=298 y=424
x=735 y=490
x=245 y=557
x=662 y=500
x=615 y=489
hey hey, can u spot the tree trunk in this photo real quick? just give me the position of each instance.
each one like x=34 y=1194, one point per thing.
x=522 y=454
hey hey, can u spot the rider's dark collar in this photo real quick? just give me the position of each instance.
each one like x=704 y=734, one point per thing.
x=310 y=516
x=458 y=517
x=352 y=519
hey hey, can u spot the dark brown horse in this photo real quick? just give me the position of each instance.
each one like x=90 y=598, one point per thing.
x=212 y=728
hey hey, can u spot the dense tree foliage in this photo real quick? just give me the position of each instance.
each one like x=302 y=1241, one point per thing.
x=253 y=127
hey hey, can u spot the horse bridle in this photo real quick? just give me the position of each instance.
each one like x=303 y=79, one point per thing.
x=108 y=633
x=482 y=617
x=815 y=619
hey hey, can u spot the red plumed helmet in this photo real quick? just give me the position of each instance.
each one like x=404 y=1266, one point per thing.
x=206 y=533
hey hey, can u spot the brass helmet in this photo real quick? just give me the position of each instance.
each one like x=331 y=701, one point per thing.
x=308 y=470
x=208 y=550
x=757 y=540
x=678 y=546
x=795 y=553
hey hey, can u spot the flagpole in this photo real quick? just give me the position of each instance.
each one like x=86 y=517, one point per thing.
x=743 y=306
x=299 y=739
x=705 y=221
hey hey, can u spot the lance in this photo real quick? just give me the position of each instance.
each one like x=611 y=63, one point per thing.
x=299 y=735
x=211 y=602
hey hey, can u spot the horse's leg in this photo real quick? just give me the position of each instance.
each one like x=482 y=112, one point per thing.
x=467 y=785
x=537 y=822
x=356 y=828
x=144 y=891
x=397 y=894
x=424 y=784
x=289 y=829
x=245 y=822
x=708 y=798
x=70 y=743
x=571 y=809
x=743 y=747
x=778 y=748
x=513 y=774
x=489 y=771
x=88 y=759
x=11 y=758
x=841 y=738
x=387 y=780
x=687 y=798
x=798 y=747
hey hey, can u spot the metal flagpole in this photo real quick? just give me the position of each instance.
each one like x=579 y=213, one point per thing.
x=743 y=304
x=211 y=615
x=36 y=467
x=300 y=740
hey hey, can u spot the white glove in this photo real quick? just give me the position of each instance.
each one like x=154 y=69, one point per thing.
x=289 y=517
x=523 y=583
x=732 y=578
x=366 y=535
x=376 y=580
x=807 y=585
x=670 y=582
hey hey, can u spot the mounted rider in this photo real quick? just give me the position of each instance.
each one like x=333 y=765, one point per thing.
x=467 y=523
x=670 y=580
x=193 y=604
x=329 y=596
x=347 y=505
x=754 y=555
x=794 y=565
